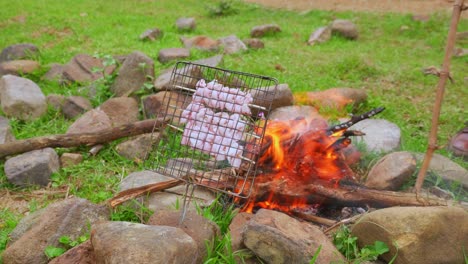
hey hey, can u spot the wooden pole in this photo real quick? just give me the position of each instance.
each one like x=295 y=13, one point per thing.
x=444 y=75
x=74 y=140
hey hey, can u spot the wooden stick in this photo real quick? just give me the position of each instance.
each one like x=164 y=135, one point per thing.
x=74 y=140
x=146 y=189
x=314 y=218
x=444 y=75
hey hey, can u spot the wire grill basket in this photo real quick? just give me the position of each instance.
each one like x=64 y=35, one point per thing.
x=217 y=120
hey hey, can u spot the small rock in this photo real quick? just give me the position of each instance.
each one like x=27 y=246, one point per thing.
x=186 y=23
x=56 y=101
x=121 y=110
x=232 y=44
x=91 y=121
x=81 y=254
x=334 y=98
x=201 y=42
x=381 y=135
x=151 y=34
x=261 y=31
x=21 y=98
x=70 y=217
x=446 y=169
x=155 y=105
x=31 y=168
x=55 y=73
x=344 y=28
x=416 y=234
x=19 y=52
x=133 y=73
x=163 y=81
x=278 y=238
x=169 y=54
x=196 y=226
x=321 y=35
x=391 y=171
x=141 y=244
x=74 y=106
x=5 y=131
x=138 y=147
x=18 y=67
x=254 y=43
x=82 y=68
x=70 y=159
x=279 y=96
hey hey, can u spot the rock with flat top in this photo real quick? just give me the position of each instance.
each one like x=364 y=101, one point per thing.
x=344 y=28
x=380 y=135
x=278 y=238
x=121 y=110
x=124 y=242
x=201 y=42
x=19 y=52
x=186 y=23
x=32 y=168
x=21 y=98
x=18 y=67
x=232 y=44
x=170 y=54
x=416 y=235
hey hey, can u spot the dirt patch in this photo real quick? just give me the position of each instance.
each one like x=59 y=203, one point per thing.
x=417 y=7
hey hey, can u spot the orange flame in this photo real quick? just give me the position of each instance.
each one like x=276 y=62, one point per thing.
x=297 y=153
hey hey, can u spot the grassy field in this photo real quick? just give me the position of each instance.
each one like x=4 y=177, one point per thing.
x=385 y=61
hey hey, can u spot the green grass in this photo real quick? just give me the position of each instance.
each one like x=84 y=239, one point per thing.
x=385 y=61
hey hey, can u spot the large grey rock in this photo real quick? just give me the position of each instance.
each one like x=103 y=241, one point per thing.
x=19 y=52
x=446 y=169
x=18 y=67
x=151 y=34
x=5 y=131
x=334 y=98
x=381 y=135
x=70 y=217
x=320 y=35
x=262 y=30
x=21 y=98
x=345 y=28
x=416 y=234
x=124 y=242
x=91 y=121
x=31 y=168
x=169 y=54
x=74 y=106
x=121 y=110
x=133 y=73
x=232 y=44
x=137 y=148
x=201 y=42
x=168 y=199
x=391 y=171
x=163 y=81
x=203 y=231
x=186 y=23
x=278 y=238
x=279 y=96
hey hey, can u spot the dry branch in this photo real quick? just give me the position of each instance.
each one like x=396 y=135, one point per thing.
x=74 y=140
x=443 y=76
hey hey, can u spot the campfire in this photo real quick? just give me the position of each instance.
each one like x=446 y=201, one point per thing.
x=298 y=153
